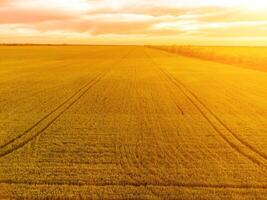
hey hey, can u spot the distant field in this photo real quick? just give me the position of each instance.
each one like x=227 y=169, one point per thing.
x=250 y=57
x=127 y=122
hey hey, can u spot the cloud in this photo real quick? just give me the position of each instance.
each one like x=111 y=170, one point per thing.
x=16 y=16
x=157 y=19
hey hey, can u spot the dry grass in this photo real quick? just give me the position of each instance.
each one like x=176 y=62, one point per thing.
x=249 y=57
x=129 y=123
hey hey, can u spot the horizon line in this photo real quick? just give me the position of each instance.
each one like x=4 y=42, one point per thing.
x=77 y=44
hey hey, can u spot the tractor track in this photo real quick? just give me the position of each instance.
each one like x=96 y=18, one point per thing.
x=45 y=117
x=178 y=185
x=238 y=144
x=45 y=122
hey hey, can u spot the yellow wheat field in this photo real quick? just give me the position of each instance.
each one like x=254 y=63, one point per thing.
x=129 y=122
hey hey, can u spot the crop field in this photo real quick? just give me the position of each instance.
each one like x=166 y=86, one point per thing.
x=131 y=122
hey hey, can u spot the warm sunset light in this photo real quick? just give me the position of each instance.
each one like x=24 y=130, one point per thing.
x=133 y=99
x=222 y=22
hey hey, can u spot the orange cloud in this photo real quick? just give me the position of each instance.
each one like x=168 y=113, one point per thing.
x=17 y=16
x=146 y=21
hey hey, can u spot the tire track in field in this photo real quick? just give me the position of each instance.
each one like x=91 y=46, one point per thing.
x=234 y=141
x=178 y=185
x=29 y=134
x=170 y=182
x=45 y=122
x=45 y=117
x=261 y=158
x=169 y=149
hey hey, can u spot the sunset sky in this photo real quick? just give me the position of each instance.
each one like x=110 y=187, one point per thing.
x=199 y=22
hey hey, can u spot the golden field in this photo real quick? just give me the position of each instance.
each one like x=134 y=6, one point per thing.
x=130 y=122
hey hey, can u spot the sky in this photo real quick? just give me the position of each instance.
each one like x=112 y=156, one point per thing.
x=159 y=22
